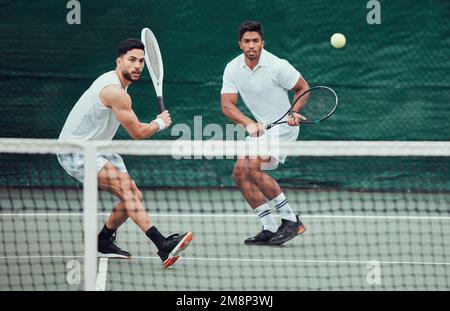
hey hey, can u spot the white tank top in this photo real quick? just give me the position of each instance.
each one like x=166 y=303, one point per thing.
x=89 y=118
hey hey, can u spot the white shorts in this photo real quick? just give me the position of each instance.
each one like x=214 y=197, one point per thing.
x=73 y=163
x=278 y=134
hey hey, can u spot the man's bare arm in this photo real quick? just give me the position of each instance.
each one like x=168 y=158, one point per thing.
x=119 y=101
x=230 y=110
x=299 y=88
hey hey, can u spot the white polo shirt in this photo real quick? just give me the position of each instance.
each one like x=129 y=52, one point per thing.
x=264 y=89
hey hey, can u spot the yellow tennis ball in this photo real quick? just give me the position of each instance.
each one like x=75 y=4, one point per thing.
x=338 y=40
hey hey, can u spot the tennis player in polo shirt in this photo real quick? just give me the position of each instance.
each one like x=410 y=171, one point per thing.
x=263 y=81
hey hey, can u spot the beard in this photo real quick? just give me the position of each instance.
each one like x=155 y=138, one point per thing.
x=128 y=76
x=255 y=54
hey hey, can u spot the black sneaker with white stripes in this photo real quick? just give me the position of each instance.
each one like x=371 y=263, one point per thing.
x=108 y=248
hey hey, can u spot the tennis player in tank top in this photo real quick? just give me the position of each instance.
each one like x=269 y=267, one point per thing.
x=97 y=115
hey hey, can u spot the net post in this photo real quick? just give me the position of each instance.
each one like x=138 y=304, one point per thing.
x=90 y=195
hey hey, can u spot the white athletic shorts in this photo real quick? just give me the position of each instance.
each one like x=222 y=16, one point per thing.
x=278 y=134
x=73 y=163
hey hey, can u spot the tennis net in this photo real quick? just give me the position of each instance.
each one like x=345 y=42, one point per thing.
x=377 y=217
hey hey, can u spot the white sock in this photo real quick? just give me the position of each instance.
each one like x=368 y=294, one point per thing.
x=265 y=216
x=284 y=209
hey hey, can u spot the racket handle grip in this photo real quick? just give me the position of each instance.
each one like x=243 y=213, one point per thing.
x=161 y=105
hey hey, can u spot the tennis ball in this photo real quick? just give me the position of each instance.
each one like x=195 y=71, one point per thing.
x=338 y=40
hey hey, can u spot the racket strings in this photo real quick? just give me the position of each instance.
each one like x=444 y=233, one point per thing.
x=320 y=103
x=153 y=57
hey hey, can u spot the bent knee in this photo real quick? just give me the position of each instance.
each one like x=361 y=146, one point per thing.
x=124 y=187
x=254 y=175
x=239 y=174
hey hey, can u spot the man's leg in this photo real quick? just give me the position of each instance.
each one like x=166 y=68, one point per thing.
x=264 y=182
x=291 y=226
x=108 y=179
x=117 y=217
x=119 y=214
x=257 y=202
x=251 y=192
x=123 y=186
x=270 y=188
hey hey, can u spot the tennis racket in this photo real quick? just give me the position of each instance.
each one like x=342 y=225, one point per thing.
x=316 y=104
x=154 y=63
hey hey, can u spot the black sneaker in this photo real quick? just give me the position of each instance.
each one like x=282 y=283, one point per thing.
x=262 y=238
x=287 y=231
x=173 y=246
x=110 y=249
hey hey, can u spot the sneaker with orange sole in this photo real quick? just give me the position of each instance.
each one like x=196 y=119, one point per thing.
x=287 y=231
x=173 y=246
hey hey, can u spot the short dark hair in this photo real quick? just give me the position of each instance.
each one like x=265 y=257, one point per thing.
x=251 y=26
x=128 y=45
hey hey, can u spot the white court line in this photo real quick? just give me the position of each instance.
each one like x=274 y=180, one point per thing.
x=47 y=214
x=386 y=217
x=307 y=261
x=40 y=257
x=378 y=217
x=100 y=284
x=313 y=216
x=429 y=263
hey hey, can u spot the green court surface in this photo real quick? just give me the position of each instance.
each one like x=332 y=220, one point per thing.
x=354 y=241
